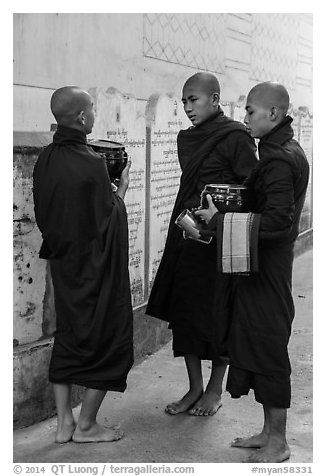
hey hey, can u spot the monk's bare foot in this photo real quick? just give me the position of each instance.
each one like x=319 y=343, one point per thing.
x=65 y=432
x=255 y=441
x=96 y=434
x=185 y=403
x=274 y=452
x=207 y=405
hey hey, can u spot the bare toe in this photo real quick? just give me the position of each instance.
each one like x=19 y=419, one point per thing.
x=207 y=405
x=194 y=411
x=184 y=404
x=171 y=409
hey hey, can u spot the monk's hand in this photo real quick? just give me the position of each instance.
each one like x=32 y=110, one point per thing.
x=125 y=174
x=207 y=213
x=124 y=181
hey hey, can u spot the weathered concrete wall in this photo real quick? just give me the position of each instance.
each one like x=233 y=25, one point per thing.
x=31 y=283
x=134 y=65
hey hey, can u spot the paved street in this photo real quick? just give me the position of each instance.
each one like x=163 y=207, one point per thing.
x=153 y=436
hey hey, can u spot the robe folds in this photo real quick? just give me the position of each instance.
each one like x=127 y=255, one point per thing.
x=85 y=238
x=187 y=291
x=263 y=304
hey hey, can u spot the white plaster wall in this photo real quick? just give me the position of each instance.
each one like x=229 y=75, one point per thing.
x=31 y=109
x=96 y=50
x=54 y=50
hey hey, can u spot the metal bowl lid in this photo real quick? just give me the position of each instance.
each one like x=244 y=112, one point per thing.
x=223 y=187
x=105 y=144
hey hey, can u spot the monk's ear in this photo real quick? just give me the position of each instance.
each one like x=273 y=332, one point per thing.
x=216 y=99
x=81 y=118
x=274 y=113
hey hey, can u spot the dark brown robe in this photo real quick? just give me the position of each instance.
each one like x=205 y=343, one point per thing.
x=187 y=292
x=85 y=238
x=263 y=307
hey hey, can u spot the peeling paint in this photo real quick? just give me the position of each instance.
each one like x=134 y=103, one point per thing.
x=25 y=163
x=29 y=270
x=29 y=311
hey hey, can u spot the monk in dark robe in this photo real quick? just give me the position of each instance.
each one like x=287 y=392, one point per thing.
x=85 y=238
x=186 y=291
x=263 y=308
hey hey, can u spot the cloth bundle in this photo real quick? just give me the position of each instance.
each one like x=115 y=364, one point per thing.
x=237 y=242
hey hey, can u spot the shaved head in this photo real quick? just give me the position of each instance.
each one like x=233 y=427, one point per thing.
x=268 y=95
x=67 y=103
x=207 y=82
x=200 y=97
x=267 y=106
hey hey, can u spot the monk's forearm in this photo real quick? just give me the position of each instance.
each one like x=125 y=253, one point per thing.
x=124 y=181
x=122 y=189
